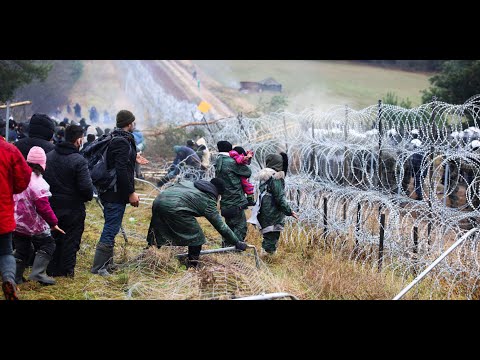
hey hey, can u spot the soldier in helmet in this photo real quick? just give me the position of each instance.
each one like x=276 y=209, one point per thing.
x=451 y=170
x=388 y=162
x=417 y=159
x=471 y=167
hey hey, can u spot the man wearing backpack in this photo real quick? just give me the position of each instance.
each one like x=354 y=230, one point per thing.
x=71 y=186
x=121 y=155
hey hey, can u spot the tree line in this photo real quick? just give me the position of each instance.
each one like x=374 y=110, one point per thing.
x=453 y=81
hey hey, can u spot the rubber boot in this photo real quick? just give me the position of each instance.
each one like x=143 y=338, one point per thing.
x=19 y=279
x=192 y=261
x=39 y=268
x=103 y=254
x=193 y=256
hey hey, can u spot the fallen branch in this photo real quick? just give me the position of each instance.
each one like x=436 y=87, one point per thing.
x=154 y=132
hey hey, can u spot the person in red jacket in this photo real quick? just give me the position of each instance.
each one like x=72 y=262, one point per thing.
x=14 y=178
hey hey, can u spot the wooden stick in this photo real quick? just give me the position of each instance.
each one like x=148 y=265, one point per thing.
x=21 y=103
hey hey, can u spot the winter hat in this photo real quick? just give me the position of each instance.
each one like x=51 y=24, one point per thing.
x=416 y=142
x=224 y=146
x=124 y=118
x=475 y=144
x=36 y=155
x=219 y=184
x=274 y=161
x=240 y=150
x=41 y=126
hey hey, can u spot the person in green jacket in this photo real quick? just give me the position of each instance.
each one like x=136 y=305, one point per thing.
x=274 y=206
x=173 y=217
x=234 y=201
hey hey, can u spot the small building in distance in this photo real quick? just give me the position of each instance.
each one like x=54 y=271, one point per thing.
x=268 y=84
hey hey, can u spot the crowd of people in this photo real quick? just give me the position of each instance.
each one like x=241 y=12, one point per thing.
x=47 y=175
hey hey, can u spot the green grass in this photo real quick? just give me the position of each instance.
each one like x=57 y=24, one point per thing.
x=308 y=272
x=319 y=83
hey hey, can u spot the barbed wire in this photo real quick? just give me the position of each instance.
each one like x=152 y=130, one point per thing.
x=418 y=168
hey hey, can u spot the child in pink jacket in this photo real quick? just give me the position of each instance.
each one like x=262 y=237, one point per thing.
x=34 y=218
x=243 y=157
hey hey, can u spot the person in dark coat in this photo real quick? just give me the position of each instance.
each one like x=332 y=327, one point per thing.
x=78 y=110
x=121 y=155
x=14 y=178
x=417 y=158
x=273 y=203
x=185 y=156
x=174 y=212
x=40 y=133
x=71 y=186
x=22 y=131
x=233 y=202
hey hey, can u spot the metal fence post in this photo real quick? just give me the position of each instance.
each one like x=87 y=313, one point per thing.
x=7 y=125
x=380 y=246
x=325 y=217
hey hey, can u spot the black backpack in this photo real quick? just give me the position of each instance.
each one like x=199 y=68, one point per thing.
x=96 y=154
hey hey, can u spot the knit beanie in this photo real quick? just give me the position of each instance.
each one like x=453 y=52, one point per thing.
x=224 y=146
x=36 y=155
x=240 y=150
x=41 y=126
x=124 y=118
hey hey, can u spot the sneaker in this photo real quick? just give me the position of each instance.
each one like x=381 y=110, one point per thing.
x=9 y=290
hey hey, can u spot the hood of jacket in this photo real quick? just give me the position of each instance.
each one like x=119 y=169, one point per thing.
x=266 y=173
x=207 y=187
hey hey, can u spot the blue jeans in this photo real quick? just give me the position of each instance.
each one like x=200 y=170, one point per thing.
x=113 y=214
x=8 y=266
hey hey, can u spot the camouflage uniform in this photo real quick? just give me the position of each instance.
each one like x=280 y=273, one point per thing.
x=173 y=216
x=233 y=202
x=274 y=205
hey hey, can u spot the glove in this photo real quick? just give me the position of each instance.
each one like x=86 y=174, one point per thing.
x=240 y=245
x=251 y=200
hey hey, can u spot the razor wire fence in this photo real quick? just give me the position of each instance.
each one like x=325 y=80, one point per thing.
x=390 y=187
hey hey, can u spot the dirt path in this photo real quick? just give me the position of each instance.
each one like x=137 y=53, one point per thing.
x=165 y=79
x=184 y=79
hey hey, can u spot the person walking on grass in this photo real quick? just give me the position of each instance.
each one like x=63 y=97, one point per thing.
x=35 y=219
x=121 y=155
x=272 y=202
x=14 y=179
x=71 y=186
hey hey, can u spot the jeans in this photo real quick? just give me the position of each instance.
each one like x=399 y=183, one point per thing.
x=8 y=267
x=113 y=214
